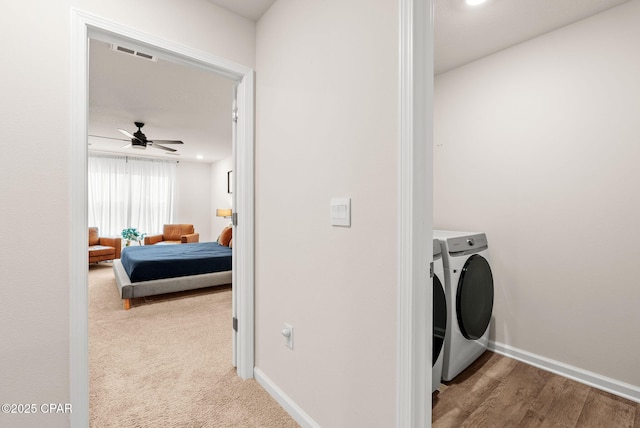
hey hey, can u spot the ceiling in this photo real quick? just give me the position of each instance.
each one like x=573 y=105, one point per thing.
x=466 y=33
x=180 y=103
x=175 y=102
x=251 y=9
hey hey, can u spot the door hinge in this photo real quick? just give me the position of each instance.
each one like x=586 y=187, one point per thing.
x=235 y=324
x=234 y=219
x=431 y=270
x=234 y=115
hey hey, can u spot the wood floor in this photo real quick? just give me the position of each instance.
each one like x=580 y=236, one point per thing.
x=498 y=392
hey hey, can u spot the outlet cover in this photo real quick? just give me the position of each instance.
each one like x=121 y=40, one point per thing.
x=287 y=332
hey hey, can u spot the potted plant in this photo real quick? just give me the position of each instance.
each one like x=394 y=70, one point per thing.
x=131 y=234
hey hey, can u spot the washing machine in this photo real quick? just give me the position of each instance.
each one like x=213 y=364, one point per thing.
x=439 y=316
x=468 y=284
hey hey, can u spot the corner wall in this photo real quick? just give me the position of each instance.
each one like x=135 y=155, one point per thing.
x=538 y=146
x=193 y=197
x=219 y=196
x=327 y=126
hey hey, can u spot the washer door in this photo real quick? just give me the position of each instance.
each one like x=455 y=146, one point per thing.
x=439 y=318
x=474 y=297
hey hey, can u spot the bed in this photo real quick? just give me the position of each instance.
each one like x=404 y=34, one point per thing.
x=149 y=270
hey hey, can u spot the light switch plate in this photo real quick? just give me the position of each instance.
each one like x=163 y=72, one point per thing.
x=341 y=212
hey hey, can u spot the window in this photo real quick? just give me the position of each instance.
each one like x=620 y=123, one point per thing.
x=130 y=192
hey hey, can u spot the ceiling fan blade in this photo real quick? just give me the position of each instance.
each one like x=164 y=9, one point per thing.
x=126 y=146
x=130 y=135
x=166 y=141
x=108 y=138
x=152 y=144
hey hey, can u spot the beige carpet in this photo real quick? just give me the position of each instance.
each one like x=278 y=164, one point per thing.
x=167 y=362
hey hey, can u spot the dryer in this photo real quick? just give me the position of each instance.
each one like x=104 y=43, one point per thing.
x=439 y=316
x=469 y=294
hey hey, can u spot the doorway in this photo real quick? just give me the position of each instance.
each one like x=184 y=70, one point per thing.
x=87 y=26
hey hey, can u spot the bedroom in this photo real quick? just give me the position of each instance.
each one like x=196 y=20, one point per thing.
x=176 y=102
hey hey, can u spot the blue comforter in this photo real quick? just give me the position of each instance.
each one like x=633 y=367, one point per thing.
x=170 y=261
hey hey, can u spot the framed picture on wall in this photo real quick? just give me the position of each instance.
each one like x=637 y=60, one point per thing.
x=229 y=181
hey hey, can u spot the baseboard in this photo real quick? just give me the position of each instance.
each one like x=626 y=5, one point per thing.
x=284 y=400
x=616 y=387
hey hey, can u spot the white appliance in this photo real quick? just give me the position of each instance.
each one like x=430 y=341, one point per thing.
x=439 y=317
x=469 y=293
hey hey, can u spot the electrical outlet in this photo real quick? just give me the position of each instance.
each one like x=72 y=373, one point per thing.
x=287 y=332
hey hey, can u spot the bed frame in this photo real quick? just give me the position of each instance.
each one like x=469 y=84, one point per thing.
x=129 y=290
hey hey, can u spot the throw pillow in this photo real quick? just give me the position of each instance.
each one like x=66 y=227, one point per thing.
x=226 y=236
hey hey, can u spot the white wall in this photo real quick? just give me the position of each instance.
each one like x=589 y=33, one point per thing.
x=219 y=196
x=35 y=189
x=538 y=146
x=327 y=126
x=193 y=197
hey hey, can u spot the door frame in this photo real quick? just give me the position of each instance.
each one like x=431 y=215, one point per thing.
x=83 y=27
x=415 y=299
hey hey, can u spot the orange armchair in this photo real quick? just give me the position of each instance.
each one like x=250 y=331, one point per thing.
x=174 y=234
x=101 y=248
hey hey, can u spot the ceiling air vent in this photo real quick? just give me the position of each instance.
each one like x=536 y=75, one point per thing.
x=133 y=52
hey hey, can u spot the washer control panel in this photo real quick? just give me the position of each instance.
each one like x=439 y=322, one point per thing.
x=461 y=244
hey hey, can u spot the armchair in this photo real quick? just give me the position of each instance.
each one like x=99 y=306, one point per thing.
x=101 y=248
x=174 y=234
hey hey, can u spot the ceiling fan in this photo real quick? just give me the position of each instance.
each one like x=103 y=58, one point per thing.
x=139 y=141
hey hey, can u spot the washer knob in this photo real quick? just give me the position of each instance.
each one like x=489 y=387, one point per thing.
x=470 y=242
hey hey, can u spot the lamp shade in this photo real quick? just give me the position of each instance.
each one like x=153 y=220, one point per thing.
x=223 y=212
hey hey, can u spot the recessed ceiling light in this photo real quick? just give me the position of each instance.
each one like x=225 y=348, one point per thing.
x=475 y=2
x=200 y=157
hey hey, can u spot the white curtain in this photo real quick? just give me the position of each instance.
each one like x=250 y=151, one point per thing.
x=130 y=192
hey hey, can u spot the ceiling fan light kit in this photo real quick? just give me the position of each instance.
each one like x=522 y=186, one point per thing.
x=139 y=140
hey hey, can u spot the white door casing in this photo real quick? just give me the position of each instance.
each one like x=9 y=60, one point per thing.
x=85 y=26
x=415 y=300
x=234 y=259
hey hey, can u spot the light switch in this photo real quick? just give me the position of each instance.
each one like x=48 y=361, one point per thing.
x=341 y=212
